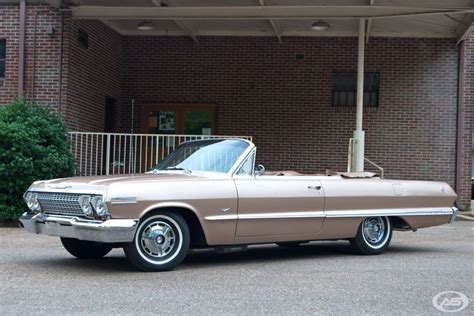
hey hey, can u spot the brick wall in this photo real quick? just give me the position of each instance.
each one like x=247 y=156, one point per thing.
x=42 y=53
x=92 y=74
x=9 y=27
x=88 y=75
x=262 y=90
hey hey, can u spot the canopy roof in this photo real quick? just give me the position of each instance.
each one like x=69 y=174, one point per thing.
x=280 y=18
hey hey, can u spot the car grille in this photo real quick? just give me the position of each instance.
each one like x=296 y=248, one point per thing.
x=60 y=203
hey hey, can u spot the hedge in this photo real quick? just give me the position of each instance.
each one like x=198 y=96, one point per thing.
x=33 y=146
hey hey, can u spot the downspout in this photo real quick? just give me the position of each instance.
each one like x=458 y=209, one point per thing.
x=21 y=50
x=460 y=124
x=61 y=53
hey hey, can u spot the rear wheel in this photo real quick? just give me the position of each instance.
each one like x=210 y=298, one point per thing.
x=161 y=242
x=373 y=236
x=83 y=249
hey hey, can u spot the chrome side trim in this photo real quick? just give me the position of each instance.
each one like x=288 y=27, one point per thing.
x=339 y=214
x=109 y=231
x=390 y=212
x=454 y=215
x=221 y=217
x=283 y=215
x=267 y=216
x=124 y=200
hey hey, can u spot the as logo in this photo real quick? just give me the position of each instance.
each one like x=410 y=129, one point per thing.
x=450 y=301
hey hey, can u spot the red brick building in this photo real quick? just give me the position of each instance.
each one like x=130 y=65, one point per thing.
x=291 y=91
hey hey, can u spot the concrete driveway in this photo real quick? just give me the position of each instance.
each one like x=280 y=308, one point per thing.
x=38 y=276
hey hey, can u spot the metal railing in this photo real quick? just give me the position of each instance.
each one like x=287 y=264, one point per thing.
x=121 y=153
x=376 y=166
x=350 y=157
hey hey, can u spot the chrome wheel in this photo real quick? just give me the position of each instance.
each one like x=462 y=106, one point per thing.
x=373 y=230
x=373 y=236
x=158 y=239
x=161 y=242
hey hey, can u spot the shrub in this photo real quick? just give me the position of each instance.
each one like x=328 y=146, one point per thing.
x=33 y=146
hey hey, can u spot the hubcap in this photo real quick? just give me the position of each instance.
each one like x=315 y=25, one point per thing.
x=373 y=229
x=158 y=239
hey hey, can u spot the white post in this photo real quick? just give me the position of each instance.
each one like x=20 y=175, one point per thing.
x=359 y=136
x=107 y=155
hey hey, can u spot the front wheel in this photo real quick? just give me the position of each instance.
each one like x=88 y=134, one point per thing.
x=161 y=242
x=83 y=249
x=373 y=236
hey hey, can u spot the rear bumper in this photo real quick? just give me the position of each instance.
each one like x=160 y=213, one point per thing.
x=109 y=231
x=455 y=213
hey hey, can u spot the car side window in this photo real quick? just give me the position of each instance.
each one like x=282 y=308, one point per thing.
x=248 y=166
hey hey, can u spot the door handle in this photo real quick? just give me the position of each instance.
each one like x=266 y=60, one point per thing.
x=314 y=187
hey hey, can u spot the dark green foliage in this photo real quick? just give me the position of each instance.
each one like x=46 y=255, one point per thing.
x=33 y=146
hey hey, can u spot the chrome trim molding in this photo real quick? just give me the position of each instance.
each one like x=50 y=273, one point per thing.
x=283 y=215
x=109 y=231
x=124 y=200
x=221 y=217
x=390 y=212
x=267 y=216
x=455 y=213
x=340 y=214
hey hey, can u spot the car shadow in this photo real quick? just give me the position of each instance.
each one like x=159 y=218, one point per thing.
x=269 y=252
x=203 y=258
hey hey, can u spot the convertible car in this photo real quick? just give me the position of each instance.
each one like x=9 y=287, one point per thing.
x=210 y=193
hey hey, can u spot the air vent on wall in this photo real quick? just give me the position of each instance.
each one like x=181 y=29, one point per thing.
x=299 y=56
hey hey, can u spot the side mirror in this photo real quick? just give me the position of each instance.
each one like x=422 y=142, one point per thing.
x=259 y=170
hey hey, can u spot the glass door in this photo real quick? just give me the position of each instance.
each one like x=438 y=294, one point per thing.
x=174 y=119
x=197 y=122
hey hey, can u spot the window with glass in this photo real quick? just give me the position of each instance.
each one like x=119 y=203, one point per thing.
x=247 y=168
x=205 y=155
x=344 y=89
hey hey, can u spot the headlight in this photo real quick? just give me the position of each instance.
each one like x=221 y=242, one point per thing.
x=31 y=200
x=99 y=206
x=36 y=205
x=85 y=203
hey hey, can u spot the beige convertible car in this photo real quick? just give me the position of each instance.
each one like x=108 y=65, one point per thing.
x=210 y=193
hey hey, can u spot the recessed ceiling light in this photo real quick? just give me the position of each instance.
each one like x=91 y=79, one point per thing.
x=320 y=26
x=145 y=26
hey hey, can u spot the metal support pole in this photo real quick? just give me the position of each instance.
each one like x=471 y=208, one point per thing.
x=359 y=136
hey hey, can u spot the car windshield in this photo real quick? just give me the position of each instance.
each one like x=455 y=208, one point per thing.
x=204 y=155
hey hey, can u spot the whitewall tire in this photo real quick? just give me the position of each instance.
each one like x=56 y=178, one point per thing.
x=161 y=242
x=373 y=236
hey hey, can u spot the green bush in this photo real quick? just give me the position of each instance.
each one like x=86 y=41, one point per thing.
x=33 y=146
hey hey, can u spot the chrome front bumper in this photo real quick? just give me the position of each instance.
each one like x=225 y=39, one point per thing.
x=455 y=213
x=109 y=231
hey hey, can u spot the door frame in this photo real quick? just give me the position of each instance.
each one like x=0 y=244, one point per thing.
x=180 y=109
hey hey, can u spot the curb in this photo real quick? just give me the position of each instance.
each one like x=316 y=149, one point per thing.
x=465 y=217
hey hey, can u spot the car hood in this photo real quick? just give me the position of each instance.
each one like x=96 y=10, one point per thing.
x=106 y=180
x=99 y=183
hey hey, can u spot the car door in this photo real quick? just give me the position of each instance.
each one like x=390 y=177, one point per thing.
x=279 y=205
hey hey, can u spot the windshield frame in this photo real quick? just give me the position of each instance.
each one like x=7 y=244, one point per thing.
x=238 y=162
